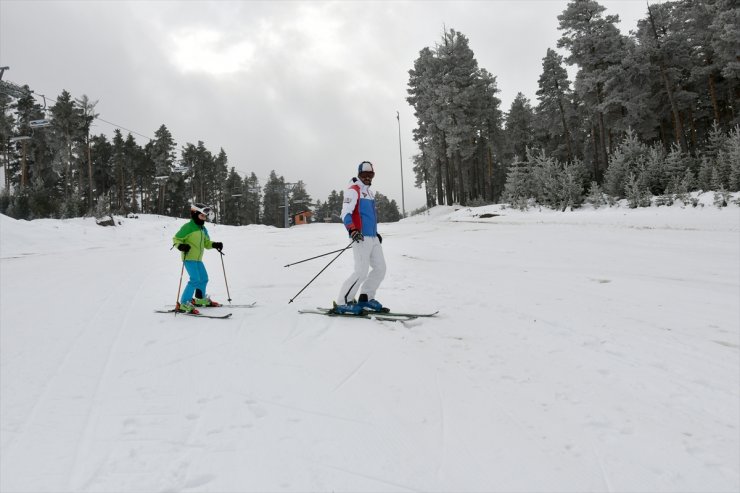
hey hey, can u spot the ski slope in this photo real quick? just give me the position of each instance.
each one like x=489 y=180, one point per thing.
x=586 y=351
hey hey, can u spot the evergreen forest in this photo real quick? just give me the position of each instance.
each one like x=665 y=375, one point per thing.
x=649 y=117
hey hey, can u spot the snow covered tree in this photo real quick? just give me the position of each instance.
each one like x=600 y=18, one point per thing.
x=251 y=195
x=299 y=199
x=594 y=44
x=554 y=94
x=627 y=159
x=273 y=201
x=519 y=129
x=518 y=188
x=387 y=209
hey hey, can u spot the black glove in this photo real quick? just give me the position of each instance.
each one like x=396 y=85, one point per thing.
x=183 y=247
x=356 y=235
x=380 y=238
x=217 y=245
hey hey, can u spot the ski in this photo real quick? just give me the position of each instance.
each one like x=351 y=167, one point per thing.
x=249 y=305
x=383 y=317
x=416 y=315
x=199 y=315
x=392 y=313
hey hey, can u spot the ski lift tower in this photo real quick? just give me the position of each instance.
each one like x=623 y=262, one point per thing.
x=286 y=191
x=238 y=209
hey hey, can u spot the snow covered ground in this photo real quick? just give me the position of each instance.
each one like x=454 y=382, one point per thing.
x=586 y=351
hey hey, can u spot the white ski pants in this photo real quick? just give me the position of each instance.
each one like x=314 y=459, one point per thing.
x=368 y=255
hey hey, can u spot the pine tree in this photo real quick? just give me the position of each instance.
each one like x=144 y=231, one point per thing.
x=251 y=190
x=88 y=115
x=571 y=179
x=519 y=126
x=273 y=200
x=518 y=189
x=162 y=153
x=457 y=113
x=231 y=213
x=597 y=47
x=553 y=93
x=299 y=199
x=628 y=159
x=387 y=209
x=595 y=196
x=731 y=154
x=636 y=192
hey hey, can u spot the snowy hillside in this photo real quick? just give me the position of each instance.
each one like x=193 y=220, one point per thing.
x=587 y=351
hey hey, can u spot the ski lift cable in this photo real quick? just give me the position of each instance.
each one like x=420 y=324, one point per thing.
x=44 y=98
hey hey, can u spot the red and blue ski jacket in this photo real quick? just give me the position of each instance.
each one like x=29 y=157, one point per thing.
x=358 y=210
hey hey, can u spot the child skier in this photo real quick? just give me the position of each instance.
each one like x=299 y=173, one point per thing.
x=191 y=240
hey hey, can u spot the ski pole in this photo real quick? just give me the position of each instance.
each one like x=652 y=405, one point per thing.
x=179 y=286
x=322 y=270
x=224 y=269
x=317 y=256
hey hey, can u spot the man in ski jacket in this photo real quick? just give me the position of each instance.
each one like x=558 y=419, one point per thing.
x=360 y=218
x=191 y=240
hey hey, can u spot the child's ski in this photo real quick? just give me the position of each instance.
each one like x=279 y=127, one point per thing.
x=199 y=315
x=249 y=305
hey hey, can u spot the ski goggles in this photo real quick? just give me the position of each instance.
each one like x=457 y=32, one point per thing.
x=203 y=209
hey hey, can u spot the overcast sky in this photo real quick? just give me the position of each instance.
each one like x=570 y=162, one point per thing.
x=309 y=89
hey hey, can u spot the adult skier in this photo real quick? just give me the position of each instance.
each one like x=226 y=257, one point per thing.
x=191 y=240
x=360 y=218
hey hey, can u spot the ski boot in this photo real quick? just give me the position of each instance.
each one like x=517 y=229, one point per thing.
x=186 y=308
x=371 y=305
x=205 y=302
x=348 y=309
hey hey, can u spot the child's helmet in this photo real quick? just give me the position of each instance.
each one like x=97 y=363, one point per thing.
x=197 y=208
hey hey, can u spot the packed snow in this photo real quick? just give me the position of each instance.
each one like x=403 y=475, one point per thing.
x=580 y=351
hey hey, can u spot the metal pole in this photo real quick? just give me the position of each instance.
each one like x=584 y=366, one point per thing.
x=287 y=213
x=179 y=287
x=318 y=256
x=400 y=157
x=225 y=281
x=322 y=270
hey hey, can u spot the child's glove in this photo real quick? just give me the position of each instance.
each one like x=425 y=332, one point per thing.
x=217 y=245
x=183 y=247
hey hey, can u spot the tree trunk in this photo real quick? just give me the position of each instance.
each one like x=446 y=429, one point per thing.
x=89 y=177
x=440 y=189
x=449 y=186
x=448 y=172
x=23 y=166
x=7 y=165
x=462 y=193
x=68 y=174
x=595 y=143
x=692 y=130
x=133 y=192
x=489 y=176
x=566 y=131
x=713 y=97
x=677 y=126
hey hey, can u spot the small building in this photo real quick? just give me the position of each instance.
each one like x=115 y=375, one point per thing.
x=303 y=217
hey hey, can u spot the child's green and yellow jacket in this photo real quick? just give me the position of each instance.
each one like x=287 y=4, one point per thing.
x=195 y=236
